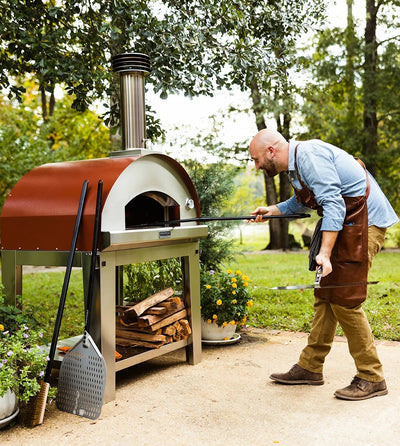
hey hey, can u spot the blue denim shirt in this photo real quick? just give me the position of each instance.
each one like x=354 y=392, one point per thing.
x=332 y=173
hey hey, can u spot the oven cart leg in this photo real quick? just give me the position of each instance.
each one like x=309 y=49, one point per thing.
x=191 y=277
x=107 y=320
x=11 y=276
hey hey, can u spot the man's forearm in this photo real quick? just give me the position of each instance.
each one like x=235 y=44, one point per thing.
x=324 y=255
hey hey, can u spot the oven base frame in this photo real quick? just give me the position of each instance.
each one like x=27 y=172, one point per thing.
x=107 y=294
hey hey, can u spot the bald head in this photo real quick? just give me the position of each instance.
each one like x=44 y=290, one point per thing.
x=268 y=137
x=270 y=151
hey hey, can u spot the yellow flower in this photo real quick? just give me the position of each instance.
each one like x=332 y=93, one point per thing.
x=245 y=284
x=215 y=317
x=234 y=301
x=232 y=322
x=229 y=271
x=250 y=303
x=245 y=278
x=209 y=321
x=219 y=302
x=238 y=272
x=233 y=280
x=234 y=285
x=1 y=327
x=208 y=287
x=225 y=324
x=233 y=292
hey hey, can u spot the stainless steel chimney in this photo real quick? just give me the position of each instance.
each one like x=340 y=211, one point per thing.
x=133 y=68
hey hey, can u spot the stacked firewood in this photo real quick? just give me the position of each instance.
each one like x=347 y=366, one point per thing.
x=160 y=319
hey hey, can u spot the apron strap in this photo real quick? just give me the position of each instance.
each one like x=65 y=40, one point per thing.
x=366 y=174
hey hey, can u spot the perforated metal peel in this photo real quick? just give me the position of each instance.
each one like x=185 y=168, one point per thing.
x=82 y=380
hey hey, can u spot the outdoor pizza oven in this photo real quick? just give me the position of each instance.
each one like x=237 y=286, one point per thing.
x=142 y=190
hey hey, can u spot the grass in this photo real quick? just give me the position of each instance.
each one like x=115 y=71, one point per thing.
x=41 y=294
x=282 y=310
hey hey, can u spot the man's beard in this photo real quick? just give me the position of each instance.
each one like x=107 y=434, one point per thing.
x=269 y=167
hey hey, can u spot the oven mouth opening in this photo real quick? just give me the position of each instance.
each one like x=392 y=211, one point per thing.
x=149 y=208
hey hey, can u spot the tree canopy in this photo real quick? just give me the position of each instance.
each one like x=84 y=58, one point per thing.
x=352 y=100
x=195 y=46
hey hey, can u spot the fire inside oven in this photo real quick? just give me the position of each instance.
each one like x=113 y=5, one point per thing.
x=150 y=209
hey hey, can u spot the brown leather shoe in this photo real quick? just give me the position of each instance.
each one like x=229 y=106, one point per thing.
x=298 y=375
x=361 y=389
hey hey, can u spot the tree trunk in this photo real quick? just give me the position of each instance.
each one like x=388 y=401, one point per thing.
x=52 y=103
x=350 y=57
x=258 y=108
x=370 y=140
x=285 y=189
x=275 y=235
x=270 y=188
x=43 y=103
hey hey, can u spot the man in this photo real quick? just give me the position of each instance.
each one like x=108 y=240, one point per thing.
x=352 y=205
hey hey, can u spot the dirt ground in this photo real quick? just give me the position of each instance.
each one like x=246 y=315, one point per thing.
x=228 y=399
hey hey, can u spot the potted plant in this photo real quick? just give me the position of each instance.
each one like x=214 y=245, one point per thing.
x=22 y=361
x=225 y=300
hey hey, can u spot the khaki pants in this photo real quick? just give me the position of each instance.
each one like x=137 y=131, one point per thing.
x=354 y=324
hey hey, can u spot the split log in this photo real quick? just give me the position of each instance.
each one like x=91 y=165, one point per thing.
x=123 y=342
x=135 y=327
x=133 y=343
x=169 y=320
x=139 y=308
x=150 y=319
x=140 y=336
x=121 y=308
x=156 y=310
x=177 y=337
x=187 y=331
x=120 y=321
x=178 y=327
x=170 y=303
x=170 y=330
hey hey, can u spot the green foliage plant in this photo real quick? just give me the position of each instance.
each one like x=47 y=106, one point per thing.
x=142 y=280
x=225 y=297
x=12 y=316
x=22 y=361
x=214 y=184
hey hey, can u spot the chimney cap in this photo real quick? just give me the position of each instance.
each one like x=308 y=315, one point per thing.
x=131 y=62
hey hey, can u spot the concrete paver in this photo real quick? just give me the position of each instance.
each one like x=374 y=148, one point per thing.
x=227 y=399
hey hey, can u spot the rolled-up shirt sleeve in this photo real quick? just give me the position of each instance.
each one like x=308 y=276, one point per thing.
x=291 y=206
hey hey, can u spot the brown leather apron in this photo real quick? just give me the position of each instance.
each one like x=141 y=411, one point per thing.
x=349 y=256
